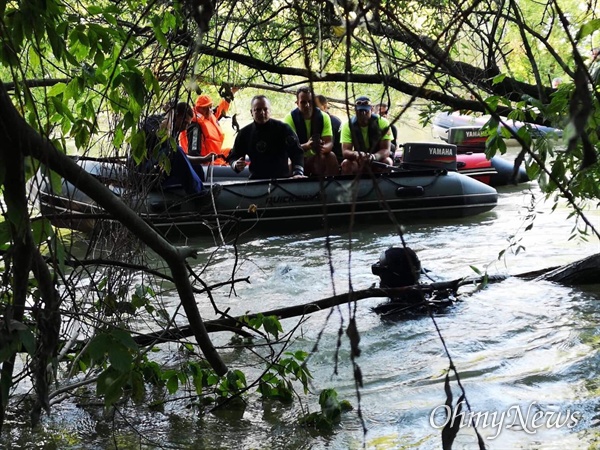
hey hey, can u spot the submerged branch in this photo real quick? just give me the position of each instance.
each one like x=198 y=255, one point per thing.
x=581 y=272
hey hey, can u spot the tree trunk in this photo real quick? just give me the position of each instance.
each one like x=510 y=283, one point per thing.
x=16 y=135
x=584 y=271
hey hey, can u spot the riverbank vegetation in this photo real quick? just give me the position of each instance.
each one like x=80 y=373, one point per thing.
x=79 y=78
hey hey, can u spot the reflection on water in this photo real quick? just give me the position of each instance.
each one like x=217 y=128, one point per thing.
x=517 y=344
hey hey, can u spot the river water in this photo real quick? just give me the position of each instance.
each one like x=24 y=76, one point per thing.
x=519 y=346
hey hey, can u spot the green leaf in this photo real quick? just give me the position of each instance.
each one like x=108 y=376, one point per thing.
x=498 y=78
x=172 y=384
x=57 y=89
x=587 y=29
x=5 y=238
x=212 y=380
x=99 y=346
x=34 y=58
x=124 y=337
x=94 y=10
x=27 y=339
x=110 y=384
x=119 y=357
x=72 y=90
x=198 y=381
x=272 y=326
x=300 y=355
x=138 y=389
x=160 y=36
x=41 y=230
x=476 y=270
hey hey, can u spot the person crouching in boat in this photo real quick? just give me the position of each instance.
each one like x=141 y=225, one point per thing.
x=366 y=138
x=313 y=128
x=383 y=110
x=268 y=143
x=336 y=125
x=204 y=136
x=161 y=131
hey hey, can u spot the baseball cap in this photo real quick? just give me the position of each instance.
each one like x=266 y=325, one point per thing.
x=363 y=103
x=203 y=101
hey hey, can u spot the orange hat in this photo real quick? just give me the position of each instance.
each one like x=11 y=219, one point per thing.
x=203 y=101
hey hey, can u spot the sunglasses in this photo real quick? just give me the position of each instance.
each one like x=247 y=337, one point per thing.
x=363 y=103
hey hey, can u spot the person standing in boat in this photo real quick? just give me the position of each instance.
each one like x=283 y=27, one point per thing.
x=313 y=128
x=161 y=131
x=366 y=138
x=268 y=143
x=322 y=103
x=204 y=136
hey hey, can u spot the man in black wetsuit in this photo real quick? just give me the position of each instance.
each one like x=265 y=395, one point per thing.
x=268 y=143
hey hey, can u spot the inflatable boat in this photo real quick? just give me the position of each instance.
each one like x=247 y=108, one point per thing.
x=407 y=193
x=467 y=159
x=442 y=123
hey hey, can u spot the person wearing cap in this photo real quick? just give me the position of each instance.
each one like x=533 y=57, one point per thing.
x=314 y=132
x=366 y=138
x=268 y=143
x=204 y=137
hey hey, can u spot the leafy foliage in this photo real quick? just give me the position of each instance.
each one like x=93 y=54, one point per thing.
x=330 y=414
x=276 y=382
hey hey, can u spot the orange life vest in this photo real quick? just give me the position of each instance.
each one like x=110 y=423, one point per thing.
x=211 y=135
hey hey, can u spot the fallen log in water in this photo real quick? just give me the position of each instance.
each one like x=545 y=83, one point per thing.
x=585 y=271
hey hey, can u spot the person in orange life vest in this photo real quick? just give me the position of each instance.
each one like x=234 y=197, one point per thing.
x=313 y=128
x=204 y=137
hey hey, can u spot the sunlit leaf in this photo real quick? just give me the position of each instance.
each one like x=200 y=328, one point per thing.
x=588 y=29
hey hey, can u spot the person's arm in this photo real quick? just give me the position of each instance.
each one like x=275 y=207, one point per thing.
x=306 y=146
x=203 y=159
x=326 y=135
x=346 y=140
x=294 y=151
x=326 y=144
x=385 y=144
x=348 y=151
x=223 y=106
x=384 y=150
x=237 y=157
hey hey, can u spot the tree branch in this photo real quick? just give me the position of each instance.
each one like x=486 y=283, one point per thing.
x=17 y=135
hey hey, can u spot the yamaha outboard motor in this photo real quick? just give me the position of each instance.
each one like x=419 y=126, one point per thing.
x=397 y=267
x=437 y=155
